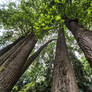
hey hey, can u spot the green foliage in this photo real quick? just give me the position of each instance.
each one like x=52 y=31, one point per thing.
x=5 y=37
x=38 y=77
x=83 y=71
x=43 y=17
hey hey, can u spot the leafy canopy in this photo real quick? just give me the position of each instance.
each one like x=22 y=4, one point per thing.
x=41 y=16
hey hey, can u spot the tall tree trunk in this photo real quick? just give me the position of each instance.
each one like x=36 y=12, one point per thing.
x=8 y=50
x=83 y=37
x=32 y=58
x=12 y=52
x=64 y=78
x=11 y=72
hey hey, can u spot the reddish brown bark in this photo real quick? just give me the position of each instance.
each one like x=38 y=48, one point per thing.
x=64 y=78
x=83 y=37
x=10 y=73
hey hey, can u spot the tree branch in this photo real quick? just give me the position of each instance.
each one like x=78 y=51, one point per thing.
x=34 y=56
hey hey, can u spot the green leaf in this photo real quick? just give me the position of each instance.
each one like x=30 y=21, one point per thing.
x=58 y=17
x=57 y=1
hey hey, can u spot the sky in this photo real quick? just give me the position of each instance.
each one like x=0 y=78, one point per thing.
x=7 y=1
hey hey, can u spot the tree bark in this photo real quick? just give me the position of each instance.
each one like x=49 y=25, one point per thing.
x=34 y=56
x=10 y=49
x=83 y=37
x=7 y=48
x=64 y=78
x=10 y=73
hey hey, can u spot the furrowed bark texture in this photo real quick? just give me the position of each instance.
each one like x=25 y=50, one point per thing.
x=32 y=58
x=64 y=78
x=83 y=37
x=10 y=73
x=9 y=50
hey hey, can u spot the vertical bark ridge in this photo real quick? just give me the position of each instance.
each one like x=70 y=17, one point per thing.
x=32 y=58
x=7 y=48
x=83 y=37
x=5 y=56
x=10 y=74
x=10 y=56
x=64 y=78
x=35 y=55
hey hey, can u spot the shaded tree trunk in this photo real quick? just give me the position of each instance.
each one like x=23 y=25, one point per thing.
x=8 y=50
x=83 y=37
x=32 y=58
x=9 y=55
x=64 y=78
x=10 y=73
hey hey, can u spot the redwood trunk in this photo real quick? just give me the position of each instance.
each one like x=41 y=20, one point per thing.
x=32 y=58
x=6 y=52
x=7 y=48
x=83 y=37
x=10 y=73
x=64 y=78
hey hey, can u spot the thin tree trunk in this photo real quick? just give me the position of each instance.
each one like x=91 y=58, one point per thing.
x=64 y=78
x=83 y=37
x=34 y=56
x=10 y=73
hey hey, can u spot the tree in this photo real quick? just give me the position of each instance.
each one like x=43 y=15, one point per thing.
x=36 y=71
x=39 y=73
x=6 y=49
x=31 y=59
x=40 y=18
x=14 y=63
x=12 y=57
x=64 y=78
x=83 y=37
x=74 y=14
